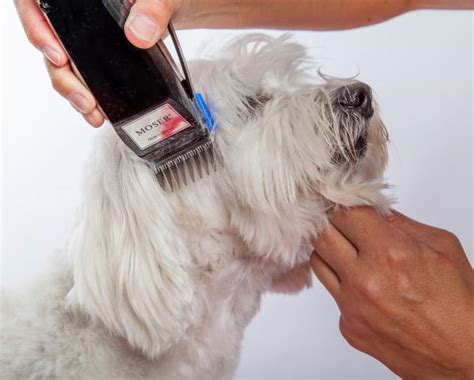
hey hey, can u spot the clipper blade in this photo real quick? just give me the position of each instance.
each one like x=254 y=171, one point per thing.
x=149 y=101
x=184 y=168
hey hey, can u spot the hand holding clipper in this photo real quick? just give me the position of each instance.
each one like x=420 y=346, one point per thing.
x=150 y=104
x=146 y=19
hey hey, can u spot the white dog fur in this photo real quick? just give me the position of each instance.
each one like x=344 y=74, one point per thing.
x=158 y=285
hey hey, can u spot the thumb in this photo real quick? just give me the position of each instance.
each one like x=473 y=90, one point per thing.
x=148 y=21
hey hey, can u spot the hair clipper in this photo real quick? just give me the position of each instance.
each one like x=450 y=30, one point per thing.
x=148 y=100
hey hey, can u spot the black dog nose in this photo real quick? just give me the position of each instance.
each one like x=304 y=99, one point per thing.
x=357 y=98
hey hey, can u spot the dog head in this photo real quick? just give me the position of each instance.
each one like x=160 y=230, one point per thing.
x=292 y=147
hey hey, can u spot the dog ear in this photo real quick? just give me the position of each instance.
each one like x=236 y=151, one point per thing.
x=129 y=259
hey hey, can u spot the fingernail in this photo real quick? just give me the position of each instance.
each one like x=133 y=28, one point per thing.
x=143 y=27
x=52 y=54
x=79 y=102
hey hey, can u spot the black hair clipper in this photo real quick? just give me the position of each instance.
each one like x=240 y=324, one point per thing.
x=150 y=103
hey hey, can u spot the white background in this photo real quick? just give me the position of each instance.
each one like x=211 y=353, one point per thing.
x=420 y=66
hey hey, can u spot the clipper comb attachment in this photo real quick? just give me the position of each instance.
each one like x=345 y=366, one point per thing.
x=150 y=102
x=188 y=167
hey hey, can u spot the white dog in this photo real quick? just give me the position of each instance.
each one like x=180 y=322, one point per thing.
x=158 y=285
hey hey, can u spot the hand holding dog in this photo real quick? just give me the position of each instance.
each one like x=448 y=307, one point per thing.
x=405 y=291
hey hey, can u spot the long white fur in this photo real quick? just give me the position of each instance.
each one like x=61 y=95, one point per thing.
x=157 y=285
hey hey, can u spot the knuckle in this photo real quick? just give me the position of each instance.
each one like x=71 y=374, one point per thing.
x=448 y=238
x=403 y=283
x=351 y=320
x=30 y=36
x=349 y=334
x=395 y=255
x=393 y=217
x=33 y=32
x=56 y=86
x=344 y=328
x=370 y=288
x=56 y=82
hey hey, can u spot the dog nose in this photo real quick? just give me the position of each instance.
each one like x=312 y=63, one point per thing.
x=356 y=97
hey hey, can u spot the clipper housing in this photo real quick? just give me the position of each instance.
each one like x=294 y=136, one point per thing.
x=148 y=100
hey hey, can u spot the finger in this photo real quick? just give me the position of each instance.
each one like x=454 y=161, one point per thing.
x=66 y=83
x=95 y=118
x=360 y=225
x=148 y=21
x=39 y=32
x=325 y=274
x=336 y=250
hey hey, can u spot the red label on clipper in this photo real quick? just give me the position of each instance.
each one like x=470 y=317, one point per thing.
x=155 y=126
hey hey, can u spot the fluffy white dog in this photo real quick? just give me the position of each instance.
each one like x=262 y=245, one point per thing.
x=158 y=285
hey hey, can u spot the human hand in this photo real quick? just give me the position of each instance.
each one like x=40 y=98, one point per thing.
x=146 y=24
x=405 y=291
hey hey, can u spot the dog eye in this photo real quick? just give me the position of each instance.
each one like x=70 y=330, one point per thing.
x=255 y=104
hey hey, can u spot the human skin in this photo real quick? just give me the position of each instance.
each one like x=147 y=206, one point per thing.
x=405 y=291
x=148 y=20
